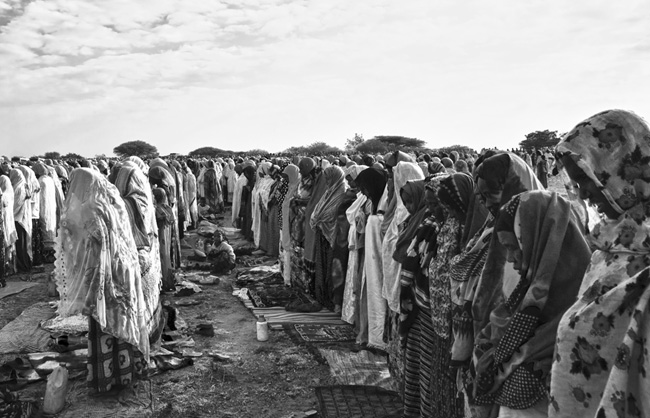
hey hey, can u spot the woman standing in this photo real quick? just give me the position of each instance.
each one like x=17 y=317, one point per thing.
x=97 y=274
x=23 y=221
x=601 y=362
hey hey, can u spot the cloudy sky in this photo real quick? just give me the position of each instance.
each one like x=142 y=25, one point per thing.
x=86 y=75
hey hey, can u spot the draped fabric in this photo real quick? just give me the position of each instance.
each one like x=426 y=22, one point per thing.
x=372 y=281
x=164 y=222
x=192 y=197
x=474 y=287
x=601 y=363
x=292 y=174
x=415 y=190
x=98 y=273
x=355 y=238
x=260 y=198
x=138 y=201
x=245 y=210
x=48 y=211
x=514 y=352
x=33 y=188
x=241 y=182
x=161 y=176
x=372 y=183
x=325 y=212
x=402 y=173
x=319 y=187
x=7 y=202
x=22 y=220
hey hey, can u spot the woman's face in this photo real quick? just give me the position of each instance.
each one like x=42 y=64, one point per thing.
x=409 y=203
x=489 y=195
x=513 y=252
x=587 y=189
x=431 y=197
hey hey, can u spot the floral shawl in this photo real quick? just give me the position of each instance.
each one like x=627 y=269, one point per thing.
x=601 y=365
x=99 y=274
x=514 y=352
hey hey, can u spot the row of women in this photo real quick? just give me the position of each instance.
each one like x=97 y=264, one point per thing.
x=32 y=197
x=492 y=296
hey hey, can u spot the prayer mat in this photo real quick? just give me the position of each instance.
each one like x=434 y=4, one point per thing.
x=325 y=333
x=276 y=295
x=360 y=368
x=281 y=316
x=24 y=334
x=358 y=402
x=15 y=287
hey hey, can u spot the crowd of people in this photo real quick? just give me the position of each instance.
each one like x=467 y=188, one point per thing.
x=492 y=295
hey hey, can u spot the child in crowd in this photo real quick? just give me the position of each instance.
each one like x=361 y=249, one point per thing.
x=221 y=254
x=205 y=212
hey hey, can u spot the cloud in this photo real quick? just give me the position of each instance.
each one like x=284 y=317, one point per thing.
x=275 y=73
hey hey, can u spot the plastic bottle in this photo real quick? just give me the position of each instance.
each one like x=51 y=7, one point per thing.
x=262 y=329
x=56 y=391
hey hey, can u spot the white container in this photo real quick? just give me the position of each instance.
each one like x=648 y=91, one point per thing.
x=55 y=391
x=262 y=329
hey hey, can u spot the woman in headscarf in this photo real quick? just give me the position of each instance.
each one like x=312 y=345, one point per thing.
x=48 y=219
x=291 y=174
x=236 y=196
x=453 y=193
x=246 y=205
x=160 y=176
x=212 y=187
x=354 y=217
x=323 y=221
x=478 y=272
x=415 y=326
x=192 y=202
x=23 y=221
x=164 y=223
x=9 y=235
x=514 y=352
x=33 y=206
x=372 y=306
x=402 y=173
x=260 y=199
x=601 y=356
x=135 y=190
x=298 y=222
x=98 y=275
x=277 y=193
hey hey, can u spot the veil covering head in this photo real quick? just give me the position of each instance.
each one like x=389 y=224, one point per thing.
x=99 y=274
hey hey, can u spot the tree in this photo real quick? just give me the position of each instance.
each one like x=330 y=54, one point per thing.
x=372 y=146
x=138 y=148
x=461 y=149
x=72 y=156
x=316 y=148
x=352 y=144
x=540 y=139
x=402 y=143
x=207 y=152
x=52 y=155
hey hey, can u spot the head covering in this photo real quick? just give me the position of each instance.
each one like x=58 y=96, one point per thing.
x=447 y=162
x=415 y=190
x=100 y=262
x=394 y=158
x=436 y=168
x=324 y=215
x=372 y=183
x=306 y=166
x=353 y=171
x=7 y=200
x=162 y=177
x=513 y=361
x=456 y=191
x=599 y=336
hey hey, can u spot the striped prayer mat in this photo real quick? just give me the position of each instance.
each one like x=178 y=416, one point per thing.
x=278 y=316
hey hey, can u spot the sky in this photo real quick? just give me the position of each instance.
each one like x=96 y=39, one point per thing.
x=84 y=76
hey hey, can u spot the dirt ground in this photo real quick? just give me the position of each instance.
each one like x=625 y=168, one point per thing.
x=272 y=379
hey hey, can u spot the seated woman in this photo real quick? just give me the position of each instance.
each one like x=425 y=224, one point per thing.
x=544 y=242
x=601 y=362
x=221 y=254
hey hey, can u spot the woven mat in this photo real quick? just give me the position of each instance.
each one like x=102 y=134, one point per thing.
x=24 y=334
x=360 y=368
x=325 y=332
x=357 y=401
x=281 y=316
x=15 y=287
